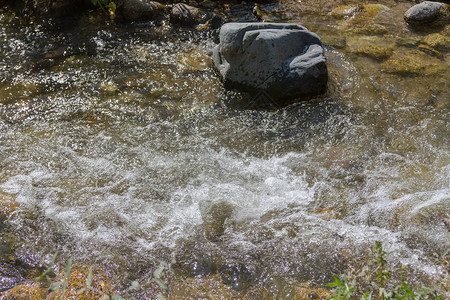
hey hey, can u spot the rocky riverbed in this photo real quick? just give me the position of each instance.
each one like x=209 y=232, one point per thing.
x=120 y=147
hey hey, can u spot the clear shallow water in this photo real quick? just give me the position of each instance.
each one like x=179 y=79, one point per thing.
x=117 y=144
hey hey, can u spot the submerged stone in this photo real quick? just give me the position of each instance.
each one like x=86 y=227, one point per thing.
x=214 y=216
x=367 y=19
x=437 y=41
x=370 y=46
x=361 y=11
x=7 y=206
x=427 y=12
x=237 y=275
x=283 y=62
x=413 y=62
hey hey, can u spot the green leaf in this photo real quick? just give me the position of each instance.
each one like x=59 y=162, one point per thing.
x=52 y=262
x=55 y=287
x=68 y=267
x=50 y=267
x=134 y=286
x=81 y=291
x=43 y=275
x=64 y=287
x=161 y=284
x=112 y=6
x=89 y=278
x=337 y=282
x=94 y=2
x=157 y=273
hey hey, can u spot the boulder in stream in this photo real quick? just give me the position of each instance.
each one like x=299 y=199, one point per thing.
x=187 y=15
x=284 y=62
x=427 y=13
x=143 y=10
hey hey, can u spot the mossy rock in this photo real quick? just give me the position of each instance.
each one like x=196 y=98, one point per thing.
x=413 y=62
x=374 y=47
x=366 y=19
x=364 y=10
x=334 y=41
x=437 y=41
x=306 y=292
x=26 y=291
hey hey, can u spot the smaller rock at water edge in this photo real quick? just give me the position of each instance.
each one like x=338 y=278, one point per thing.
x=426 y=13
x=274 y=61
x=143 y=10
x=187 y=15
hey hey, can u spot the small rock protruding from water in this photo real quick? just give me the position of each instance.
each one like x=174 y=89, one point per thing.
x=427 y=13
x=214 y=216
x=187 y=15
x=143 y=10
x=278 y=62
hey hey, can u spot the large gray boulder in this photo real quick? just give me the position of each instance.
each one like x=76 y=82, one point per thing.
x=283 y=61
x=427 y=13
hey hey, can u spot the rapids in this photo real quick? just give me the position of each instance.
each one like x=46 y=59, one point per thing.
x=122 y=149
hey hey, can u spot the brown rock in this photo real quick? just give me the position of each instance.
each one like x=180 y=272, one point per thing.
x=143 y=10
x=187 y=15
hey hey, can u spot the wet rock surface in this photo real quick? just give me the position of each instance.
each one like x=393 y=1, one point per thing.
x=143 y=10
x=284 y=61
x=427 y=13
x=7 y=207
x=237 y=275
x=187 y=15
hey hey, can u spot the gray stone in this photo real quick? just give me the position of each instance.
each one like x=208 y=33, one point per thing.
x=143 y=10
x=283 y=61
x=187 y=15
x=427 y=12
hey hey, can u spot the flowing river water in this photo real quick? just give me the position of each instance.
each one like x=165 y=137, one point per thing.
x=122 y=149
